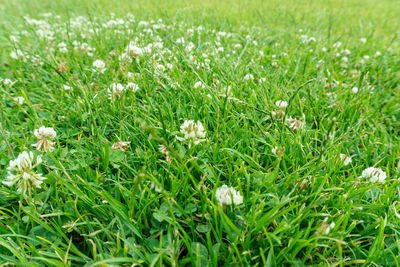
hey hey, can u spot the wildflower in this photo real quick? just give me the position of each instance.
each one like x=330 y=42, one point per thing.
x=320 y=63
x=159 y=67
x=325 y=228
x=248 y=77
x=116 y=90
x=312 y=40
x=21 y=172
x=121 y=145
x=45 y=135
x=346 y=52
x=18 y=54
x=99 y=66
x=67 y=88
x=155 y=187
x=180 y=40
x=192 y=131
x=19 y=100
x=337 y=44
x=62 y=47
x=164 y=150
x=281 y=104
x=133 y=51
x=354 y=90
x=346 y=160
x=363 y=40
x=278 y=151
x=228 y=196
x=8 y=82
x=132 y=86
x=198 y=84
x=278 y=113
x=294 y=124
x=374 y=175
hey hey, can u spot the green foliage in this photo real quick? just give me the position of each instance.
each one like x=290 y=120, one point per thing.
x=142 y=206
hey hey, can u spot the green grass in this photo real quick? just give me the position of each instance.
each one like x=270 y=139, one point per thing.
x=101 y=207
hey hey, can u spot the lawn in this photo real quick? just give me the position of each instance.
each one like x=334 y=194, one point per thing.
x=189 y=133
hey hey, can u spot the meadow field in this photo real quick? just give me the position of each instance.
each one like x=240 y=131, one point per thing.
x=200 y=133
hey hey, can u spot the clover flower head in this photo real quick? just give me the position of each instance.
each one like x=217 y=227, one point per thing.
x=294 y=124
x=281 y=104
x=132 y=86
x=45 y=135
x=346 y=160
x=21 y=172
x=375 y=175
x=228 y=195
x=193 y=131
x=121 y=145
x=99 y=66
x=116 y=90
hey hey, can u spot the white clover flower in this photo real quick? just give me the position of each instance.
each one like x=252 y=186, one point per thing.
x=99 y=65
x=281 y=104
x=363 y=40
x=325 y=228
x=337 y=44
x=21 y=172
x=354 y=90
x=294 y=124
x=132 y=86
x=374 y=175
x=346 y=52
x=116 y=90
x=121 y=145
x=45 y=135
x=133 y=51
x=18 y=54
x=189 y=48
x=377 y=54
x=62 y=47
x=346 y=160
x=320 y=63
x=164 y=150
x=228 y=195
x=308 y=40
x=198 y=85
x=155 y=187
x=8 y=82
x=19 y=100
x=192 y=131
x=67 y=88
x=248 y=77
x=159 y=67
x=180 y=40
x=278 y=151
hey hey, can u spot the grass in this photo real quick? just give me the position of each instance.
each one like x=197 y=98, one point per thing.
x=301 y=206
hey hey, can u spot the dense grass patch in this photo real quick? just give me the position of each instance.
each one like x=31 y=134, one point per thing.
x=178 y=133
